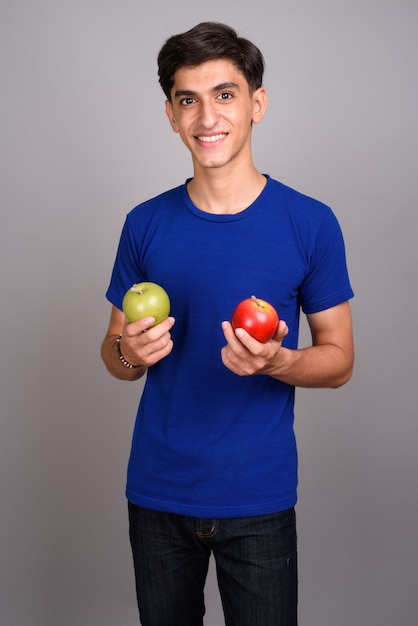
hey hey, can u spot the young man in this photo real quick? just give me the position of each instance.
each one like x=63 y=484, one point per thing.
x=213 y=466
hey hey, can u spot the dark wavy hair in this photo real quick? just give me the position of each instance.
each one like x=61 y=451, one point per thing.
x=204 y=42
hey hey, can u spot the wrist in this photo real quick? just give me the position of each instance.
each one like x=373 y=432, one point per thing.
x=121 y=358
x=283 y=366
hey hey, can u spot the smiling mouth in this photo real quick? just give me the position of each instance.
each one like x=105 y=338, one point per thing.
x=211 y=138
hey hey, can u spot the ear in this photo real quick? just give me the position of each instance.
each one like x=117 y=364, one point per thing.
x=260 y=101
x=170 y=114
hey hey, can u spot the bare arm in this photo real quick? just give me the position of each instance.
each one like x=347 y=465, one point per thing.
x=138 y=347
x=327 y=363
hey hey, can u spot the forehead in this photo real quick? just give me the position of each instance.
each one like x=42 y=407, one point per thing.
x=207 y=76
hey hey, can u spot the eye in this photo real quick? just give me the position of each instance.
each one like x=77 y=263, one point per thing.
x=187 y=100
x=225 y=95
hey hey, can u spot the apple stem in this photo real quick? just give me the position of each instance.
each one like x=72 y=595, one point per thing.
x=256 y=301
x=136 y=290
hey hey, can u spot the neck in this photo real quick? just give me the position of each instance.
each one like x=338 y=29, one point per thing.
x=218 y=191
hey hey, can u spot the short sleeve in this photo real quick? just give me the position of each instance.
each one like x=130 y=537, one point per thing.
x=327 y=282
x=126 y=269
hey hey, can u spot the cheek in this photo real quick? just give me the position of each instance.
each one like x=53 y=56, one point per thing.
x=242 y=121
x=184 y=137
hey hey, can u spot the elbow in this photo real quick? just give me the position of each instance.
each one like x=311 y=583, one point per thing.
x=340 y=382
x=345 y=371
x=343 y=377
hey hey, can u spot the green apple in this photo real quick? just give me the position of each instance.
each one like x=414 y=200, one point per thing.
x=144 y=299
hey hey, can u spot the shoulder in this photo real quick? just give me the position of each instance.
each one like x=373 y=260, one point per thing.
x=159 y=203
x=295 y=200
x=300 y=212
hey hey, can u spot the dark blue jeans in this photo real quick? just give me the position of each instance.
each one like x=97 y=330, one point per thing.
x=256 y=566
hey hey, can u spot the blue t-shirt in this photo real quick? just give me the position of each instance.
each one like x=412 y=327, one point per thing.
x=209 y=443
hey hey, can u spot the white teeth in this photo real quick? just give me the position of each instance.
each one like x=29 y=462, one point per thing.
x=211 y=138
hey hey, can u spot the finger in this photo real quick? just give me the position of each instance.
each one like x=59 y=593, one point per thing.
x=138 y=327
x=149 y=347
x=152 y=352
x=249 y=343
x=234 y=337
x=228 y=332
x=282 y=331
x=240 y=342
x=146 y=323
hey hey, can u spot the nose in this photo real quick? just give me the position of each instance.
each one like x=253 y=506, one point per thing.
x=208 y=114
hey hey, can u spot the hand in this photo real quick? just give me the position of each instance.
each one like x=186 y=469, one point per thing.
x=144 y=345
x=246 y=356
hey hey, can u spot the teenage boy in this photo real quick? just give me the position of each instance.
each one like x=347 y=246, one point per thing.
x=213 y=465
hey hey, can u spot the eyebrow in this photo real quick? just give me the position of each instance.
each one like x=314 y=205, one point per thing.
x=181 y=93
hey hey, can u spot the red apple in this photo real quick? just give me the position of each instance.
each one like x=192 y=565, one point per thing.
x=258 y=317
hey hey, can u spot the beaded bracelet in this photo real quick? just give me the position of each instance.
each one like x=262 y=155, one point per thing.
x=122 y=358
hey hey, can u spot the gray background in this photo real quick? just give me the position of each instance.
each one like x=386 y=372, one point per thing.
x=84 y=139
